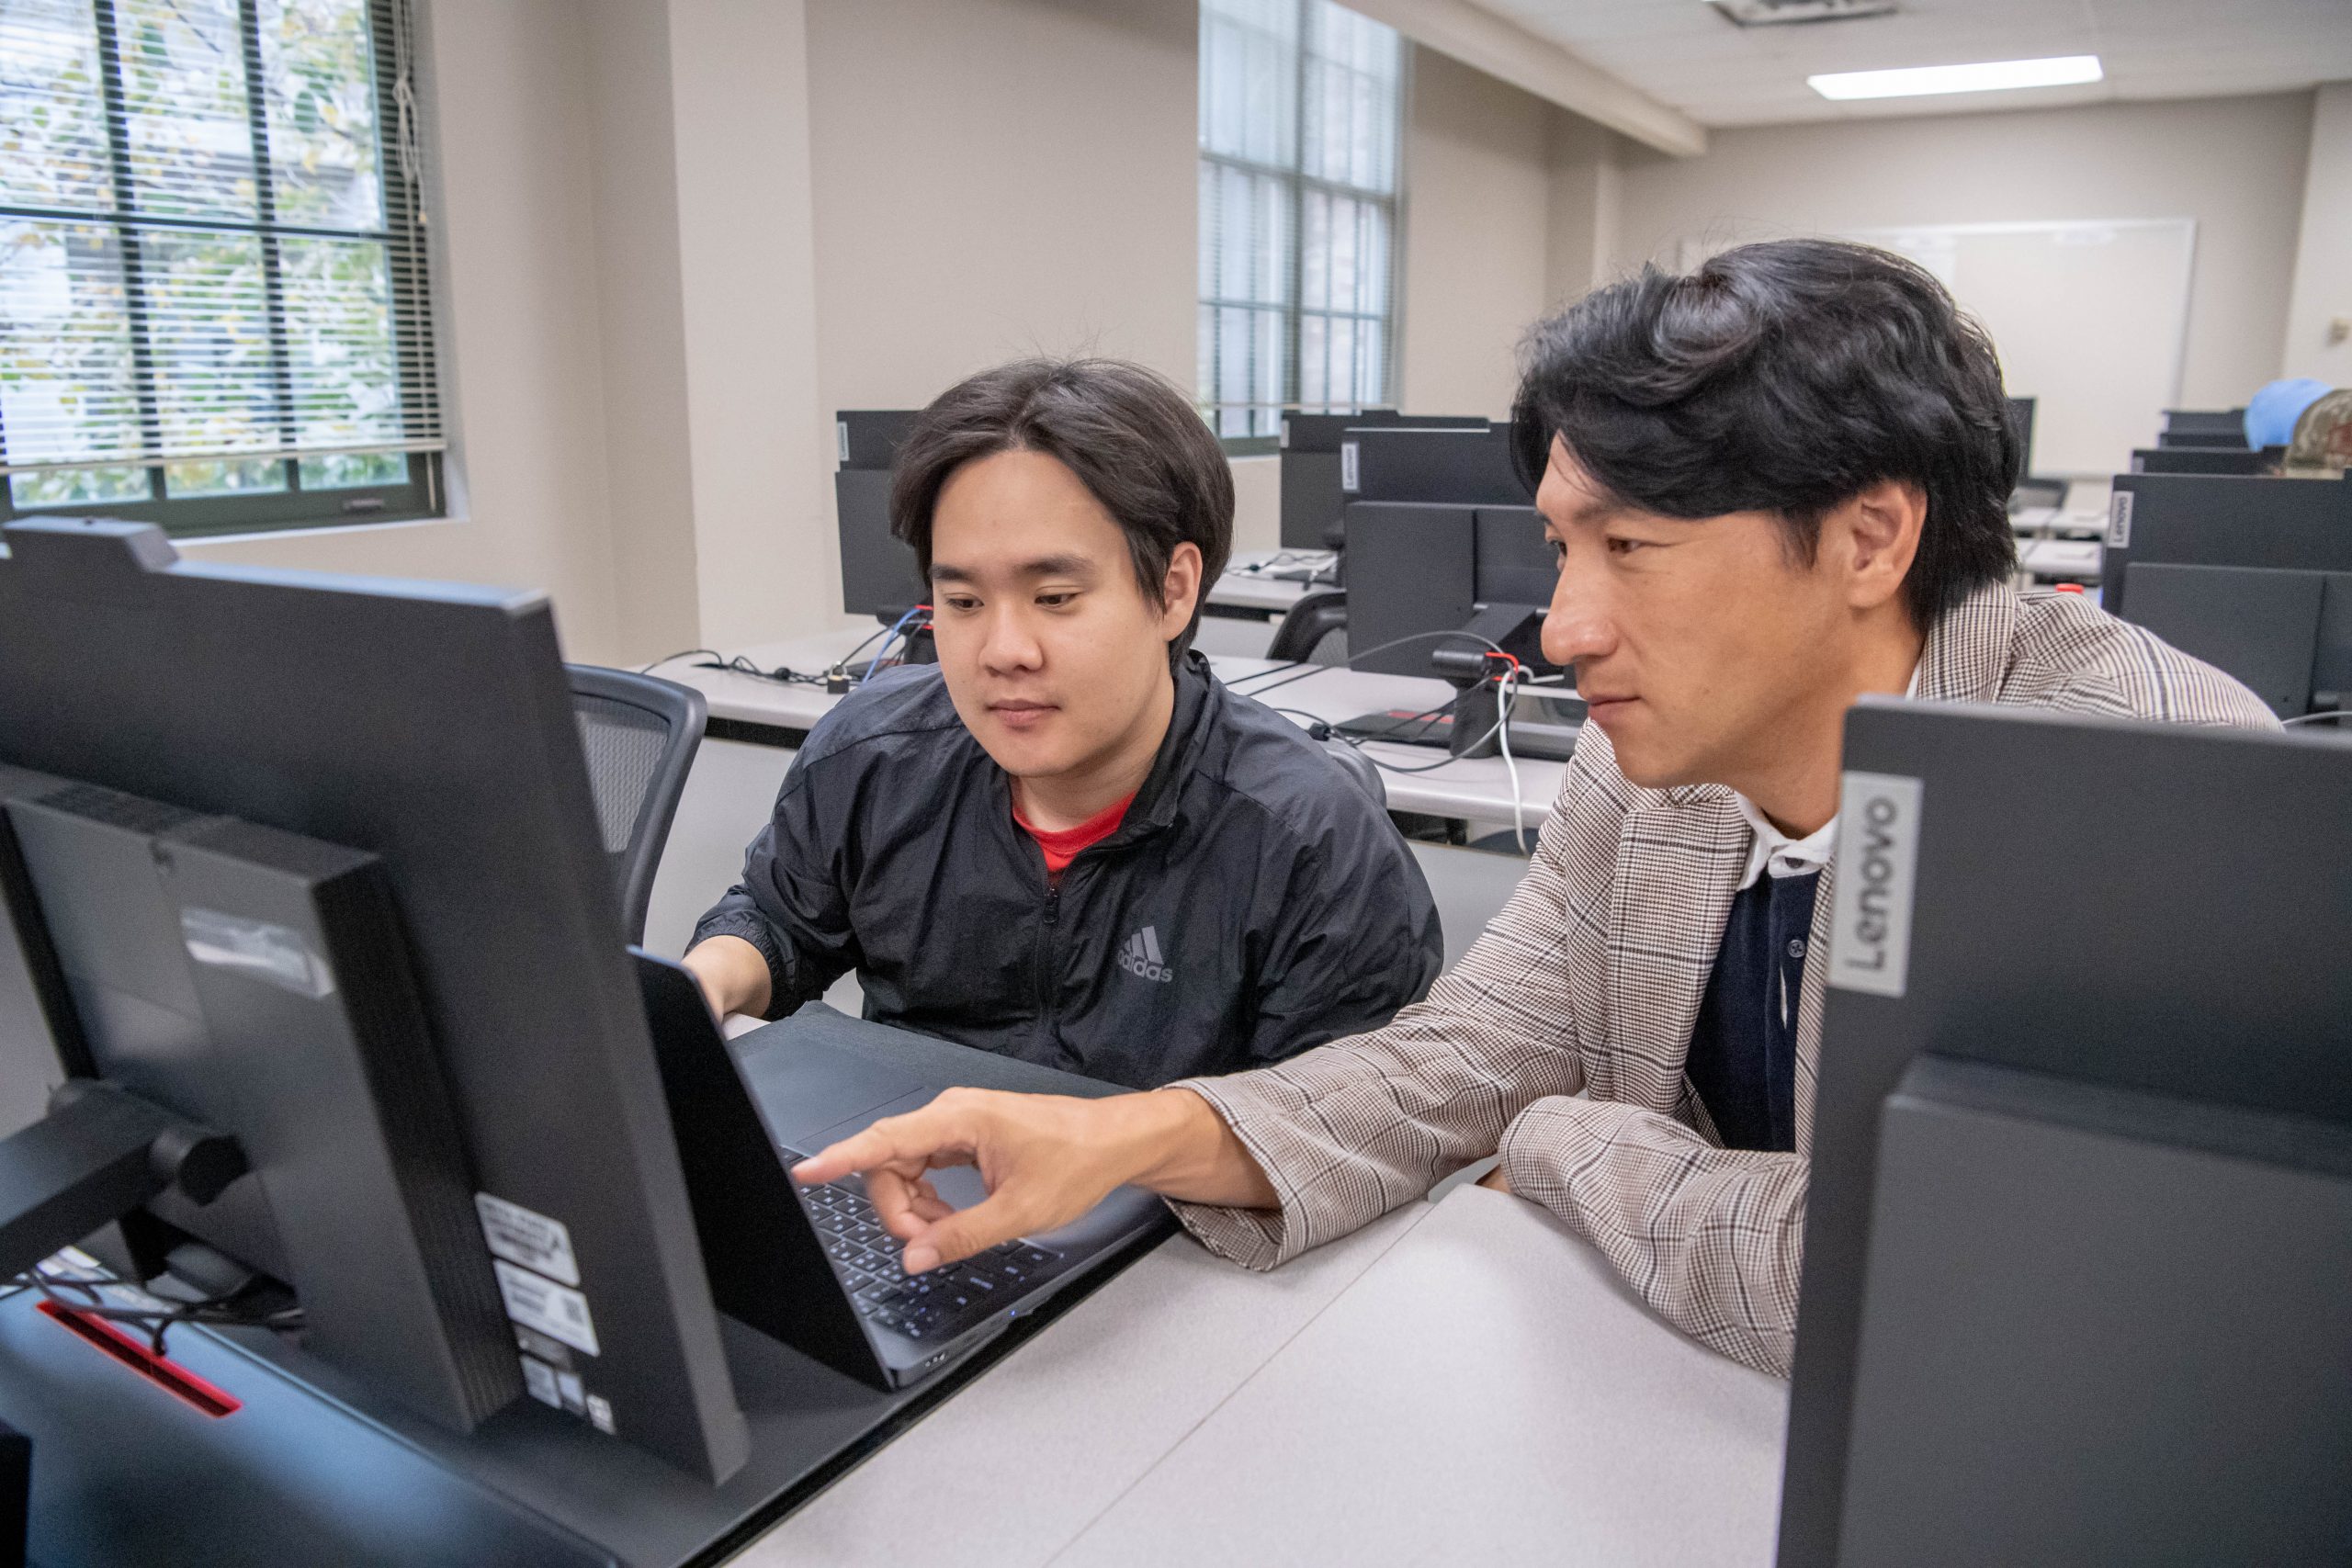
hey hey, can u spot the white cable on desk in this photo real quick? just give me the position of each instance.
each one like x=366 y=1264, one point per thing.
x=1503 y=695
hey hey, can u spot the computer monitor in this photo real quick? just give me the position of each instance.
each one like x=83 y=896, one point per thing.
x=2201 y=440
x=2216 y=520
x=1319 y=433
x=2081 y=1165
x=2021 y=426
x=870 y=438
x=1416 y=570
x=1310 y=474
x=313 y=862
x=2240 y=460
x=1312 y=465
x=879 y=572
x=2202 y=427
x=1463 y=465
x=2288 y=635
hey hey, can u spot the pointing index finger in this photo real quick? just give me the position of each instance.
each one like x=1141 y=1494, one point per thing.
x=913 y=1140
x=859 y=1152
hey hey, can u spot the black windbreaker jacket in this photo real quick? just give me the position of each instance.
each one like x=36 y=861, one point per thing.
x=1255 y=902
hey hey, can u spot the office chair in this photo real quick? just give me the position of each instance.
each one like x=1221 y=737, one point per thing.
x=1316 y=617
x=640 y=736
x=1361 y=769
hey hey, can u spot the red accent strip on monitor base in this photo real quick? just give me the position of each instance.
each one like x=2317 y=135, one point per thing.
x=165 y=1373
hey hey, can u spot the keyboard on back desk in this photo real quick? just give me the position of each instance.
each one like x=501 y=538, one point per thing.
x=934 y=1306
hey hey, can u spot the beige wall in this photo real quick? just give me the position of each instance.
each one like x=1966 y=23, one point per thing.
x=994 y=178
x=2322 y=286
x=2233 y=165
x=1585 y=205
x=518 y=301
x=640 y=327
x=1257 y=503
x=1477 y=230
x=765 y=545
x=999 y=177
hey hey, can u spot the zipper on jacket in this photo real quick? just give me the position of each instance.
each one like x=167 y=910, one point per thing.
x=1051 y=916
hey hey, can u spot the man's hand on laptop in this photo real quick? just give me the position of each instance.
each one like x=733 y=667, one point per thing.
x=1046 y=1160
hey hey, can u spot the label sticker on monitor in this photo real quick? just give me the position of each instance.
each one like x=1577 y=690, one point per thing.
x=539 y=1378
x=1348 y=466
x=274 y=954
x=552 y=1308
x=840 y=432
x=2119 y=521
x=534 y=1241
x=1878 y=853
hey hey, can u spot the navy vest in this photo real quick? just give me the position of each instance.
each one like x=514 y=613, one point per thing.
x=1744 y=1047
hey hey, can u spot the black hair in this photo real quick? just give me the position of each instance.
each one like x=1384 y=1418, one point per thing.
x=1133 y=441
x=1788 y=377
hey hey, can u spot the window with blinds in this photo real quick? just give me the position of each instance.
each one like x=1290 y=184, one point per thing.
x=212 y=271
x=1300 y=106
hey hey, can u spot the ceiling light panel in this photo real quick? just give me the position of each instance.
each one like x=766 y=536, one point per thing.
x=1988 y=76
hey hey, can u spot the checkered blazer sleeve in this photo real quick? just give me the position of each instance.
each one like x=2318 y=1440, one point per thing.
x=1352 y=1129
x=1713 y=1239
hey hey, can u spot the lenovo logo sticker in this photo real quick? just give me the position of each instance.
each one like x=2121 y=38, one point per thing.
x=1878 y=852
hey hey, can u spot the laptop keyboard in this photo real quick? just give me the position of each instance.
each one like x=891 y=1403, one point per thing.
x=934 y=1306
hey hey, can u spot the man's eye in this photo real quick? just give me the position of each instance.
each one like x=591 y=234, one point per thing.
x=1055 y=601
x=958 y=602
x=1559 y=551
x=1627 y=546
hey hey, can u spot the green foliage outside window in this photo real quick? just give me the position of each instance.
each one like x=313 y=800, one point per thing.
x=212 y=281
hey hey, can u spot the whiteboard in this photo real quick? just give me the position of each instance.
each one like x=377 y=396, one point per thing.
x=2091 y=321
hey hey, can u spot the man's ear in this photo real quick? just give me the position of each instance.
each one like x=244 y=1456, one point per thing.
x=1883 y=523
x=1180 y=590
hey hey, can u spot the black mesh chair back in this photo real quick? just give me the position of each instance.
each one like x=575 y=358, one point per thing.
x=1316 y=617
x=1361 y=769
x=639 y=735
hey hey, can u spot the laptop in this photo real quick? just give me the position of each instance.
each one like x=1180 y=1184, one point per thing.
x=813 y=1267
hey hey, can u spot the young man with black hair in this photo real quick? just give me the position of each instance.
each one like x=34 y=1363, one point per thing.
x=1773 y=485
x=1067 y=842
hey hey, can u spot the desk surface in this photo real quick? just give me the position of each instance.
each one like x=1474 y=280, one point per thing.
x=1478 y=788
x=1462 y=1382
x=1244 y=585
x=2075 y=560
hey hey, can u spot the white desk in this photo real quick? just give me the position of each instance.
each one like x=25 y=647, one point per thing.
x=1245 y=586
x=2074 y=561
x=748 y=699
x=1459 y=1383
x=1477 y=789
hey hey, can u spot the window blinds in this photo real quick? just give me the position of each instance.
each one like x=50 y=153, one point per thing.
x=211 y=248
x=1299 y=108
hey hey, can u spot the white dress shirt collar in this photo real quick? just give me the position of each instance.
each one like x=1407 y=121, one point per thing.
x=1772 y=852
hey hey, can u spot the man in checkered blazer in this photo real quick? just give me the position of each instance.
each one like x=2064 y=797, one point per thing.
x=1773 y=485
